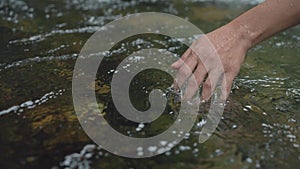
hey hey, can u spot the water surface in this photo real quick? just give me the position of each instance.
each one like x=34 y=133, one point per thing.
x=40 y=41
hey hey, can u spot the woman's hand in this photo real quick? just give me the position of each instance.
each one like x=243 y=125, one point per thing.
x=227 y=46
x=213 y=59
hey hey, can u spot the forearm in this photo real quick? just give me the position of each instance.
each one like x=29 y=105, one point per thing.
x=265 y=20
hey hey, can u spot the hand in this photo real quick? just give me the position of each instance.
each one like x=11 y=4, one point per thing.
x=205 y=58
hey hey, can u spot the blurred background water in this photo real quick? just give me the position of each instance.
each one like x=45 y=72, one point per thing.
x=40 y=41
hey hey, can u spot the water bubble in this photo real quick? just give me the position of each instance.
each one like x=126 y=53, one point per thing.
x=152 y=148
x=249 y=160
x=141 y=125
x=163 y=143
x=139 y=149
x=218 y=152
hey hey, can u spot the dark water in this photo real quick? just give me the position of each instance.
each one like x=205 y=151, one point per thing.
x=40 y=41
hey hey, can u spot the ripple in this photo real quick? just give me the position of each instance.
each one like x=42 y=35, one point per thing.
x=30 y=104
x=263 y=82
x=41 y=37
x=14 y=10
x=80 y=160
x=294 y=93
x=251 y=2
x=37 y=60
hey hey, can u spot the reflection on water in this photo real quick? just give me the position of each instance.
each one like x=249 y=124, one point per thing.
x=40 y=41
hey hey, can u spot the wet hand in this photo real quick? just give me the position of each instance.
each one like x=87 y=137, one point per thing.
x=212 y=59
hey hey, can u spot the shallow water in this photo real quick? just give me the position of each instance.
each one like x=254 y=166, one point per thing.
x=40 y=41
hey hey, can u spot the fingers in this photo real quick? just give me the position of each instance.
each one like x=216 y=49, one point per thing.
x=181 y=60
x=226 y=86
x=186 y=70
x=210 y=83
x=194 y=82
x=206 y=89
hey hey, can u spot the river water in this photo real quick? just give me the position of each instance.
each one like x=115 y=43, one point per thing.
x=40 y=41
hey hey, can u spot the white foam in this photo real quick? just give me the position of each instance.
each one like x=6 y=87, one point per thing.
x=32 y=103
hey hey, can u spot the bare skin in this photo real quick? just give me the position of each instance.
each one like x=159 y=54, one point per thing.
x=231 y=43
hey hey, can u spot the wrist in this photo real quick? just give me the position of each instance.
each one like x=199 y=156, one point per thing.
x=243 y=33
